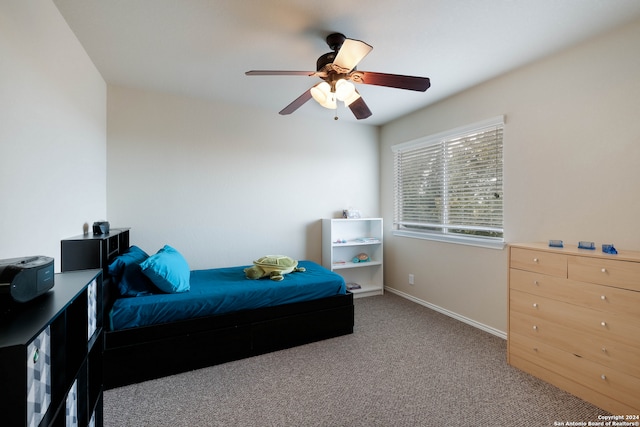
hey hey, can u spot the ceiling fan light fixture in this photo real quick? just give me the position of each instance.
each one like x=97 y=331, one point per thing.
x=344 y=89
x=323 y=95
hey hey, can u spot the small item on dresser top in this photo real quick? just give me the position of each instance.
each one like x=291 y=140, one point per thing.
x=609 y=249
x=556 y=244
x=586 y=245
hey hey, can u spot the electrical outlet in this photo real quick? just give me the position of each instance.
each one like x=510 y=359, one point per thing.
x=411 y=282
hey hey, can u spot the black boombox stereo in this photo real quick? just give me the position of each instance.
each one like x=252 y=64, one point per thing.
x=23 y=279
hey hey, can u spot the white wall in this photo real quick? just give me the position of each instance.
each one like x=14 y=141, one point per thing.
x=572 y=170
x=226 y=185
x=52 y=132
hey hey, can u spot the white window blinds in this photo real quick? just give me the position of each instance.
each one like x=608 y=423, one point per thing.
x=451 y=183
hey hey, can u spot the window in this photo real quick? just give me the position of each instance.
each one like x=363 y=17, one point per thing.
x=449 y=186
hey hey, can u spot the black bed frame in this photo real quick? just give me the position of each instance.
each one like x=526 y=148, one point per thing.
x=144 y=353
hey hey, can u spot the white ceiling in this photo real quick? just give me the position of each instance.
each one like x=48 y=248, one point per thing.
x=202 y=48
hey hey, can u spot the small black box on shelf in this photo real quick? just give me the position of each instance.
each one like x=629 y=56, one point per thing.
x=101 y=227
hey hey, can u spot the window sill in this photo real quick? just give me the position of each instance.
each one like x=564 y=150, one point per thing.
x=460 y=240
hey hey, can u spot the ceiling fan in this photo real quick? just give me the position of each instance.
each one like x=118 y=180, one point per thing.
x=337 y=69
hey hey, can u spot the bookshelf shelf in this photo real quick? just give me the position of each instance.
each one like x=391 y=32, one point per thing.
x=342 y=240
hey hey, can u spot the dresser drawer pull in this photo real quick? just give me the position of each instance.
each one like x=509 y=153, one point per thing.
x=604 y=377
x=604 y=270
x=603 y=323
x=604 y=349
x=603 y=297
x=535 y=305
x=535 y=260
x=535 y=328
x=535 y=282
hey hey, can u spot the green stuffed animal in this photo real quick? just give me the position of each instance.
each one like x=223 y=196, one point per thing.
x=272 y=266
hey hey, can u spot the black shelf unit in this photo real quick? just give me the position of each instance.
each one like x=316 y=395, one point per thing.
x=93 y=250
x=59 y=336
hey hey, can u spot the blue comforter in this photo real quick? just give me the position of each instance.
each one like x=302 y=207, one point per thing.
x=225 y=290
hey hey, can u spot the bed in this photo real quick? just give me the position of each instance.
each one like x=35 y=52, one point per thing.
x=223 y=316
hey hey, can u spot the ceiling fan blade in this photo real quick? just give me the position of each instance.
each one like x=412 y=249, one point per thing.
x=397 y=81
x=297 y=103
x=350 y=54
x=359 y=108
x=279 y=73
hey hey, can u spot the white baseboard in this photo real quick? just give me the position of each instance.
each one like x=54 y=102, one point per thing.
x=489 y=329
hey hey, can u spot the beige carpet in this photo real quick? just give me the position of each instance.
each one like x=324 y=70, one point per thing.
x=405 y=365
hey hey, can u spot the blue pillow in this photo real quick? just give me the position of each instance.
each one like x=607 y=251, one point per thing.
x=133 y=283
x=133 y=255
x=168 y=270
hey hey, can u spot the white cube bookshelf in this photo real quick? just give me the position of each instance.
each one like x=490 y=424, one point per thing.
x=344 y=239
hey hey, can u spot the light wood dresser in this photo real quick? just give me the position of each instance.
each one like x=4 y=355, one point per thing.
x=574 y=321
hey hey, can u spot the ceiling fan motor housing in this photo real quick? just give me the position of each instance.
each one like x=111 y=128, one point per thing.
x=335 y=41
x=325 y=60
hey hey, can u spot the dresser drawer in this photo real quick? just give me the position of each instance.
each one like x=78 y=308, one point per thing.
x=621 y=274
x=598 y=297
x=535 y=283
x=621 y=356
x=604 y=380
x=609 y=325
x=550 y=263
